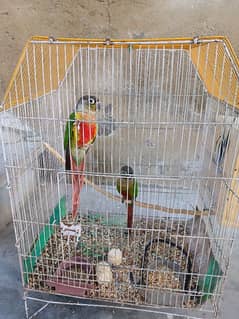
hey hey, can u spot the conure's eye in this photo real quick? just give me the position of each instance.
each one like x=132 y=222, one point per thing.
x=92 y=101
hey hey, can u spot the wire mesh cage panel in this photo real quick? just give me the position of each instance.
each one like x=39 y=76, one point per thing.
x=156 y=210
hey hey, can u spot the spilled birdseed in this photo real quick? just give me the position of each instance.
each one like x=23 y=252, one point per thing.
x=162 y=266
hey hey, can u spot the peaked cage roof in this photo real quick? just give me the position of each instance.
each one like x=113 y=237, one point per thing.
x=44 y=63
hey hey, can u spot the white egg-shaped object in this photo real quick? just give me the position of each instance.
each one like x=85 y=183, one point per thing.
x=103 y=272
x=115 y=256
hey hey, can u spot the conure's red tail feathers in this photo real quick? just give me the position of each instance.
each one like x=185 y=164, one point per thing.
x=77 y=184
x=130 y=215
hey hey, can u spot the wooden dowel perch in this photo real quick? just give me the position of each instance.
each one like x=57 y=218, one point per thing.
x=137 y=203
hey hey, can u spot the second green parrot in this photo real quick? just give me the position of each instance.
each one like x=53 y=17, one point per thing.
x=127 y=187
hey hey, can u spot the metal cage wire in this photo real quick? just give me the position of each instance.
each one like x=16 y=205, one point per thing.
x=169 y=109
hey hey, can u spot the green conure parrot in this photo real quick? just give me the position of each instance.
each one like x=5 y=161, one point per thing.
x=127 y=187
x=80 y=133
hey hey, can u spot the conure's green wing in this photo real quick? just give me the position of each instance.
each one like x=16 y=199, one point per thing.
x=67 y=137
x=133 y=189
x=68 y=130
x=136 y=189
x=208 y=284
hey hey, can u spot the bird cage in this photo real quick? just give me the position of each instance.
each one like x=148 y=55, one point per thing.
x=167 y=121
